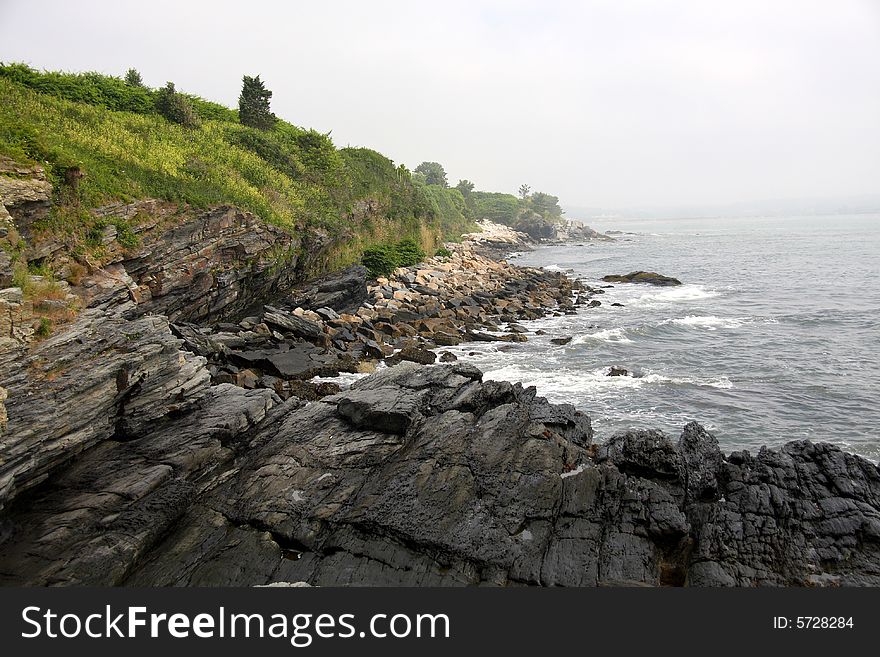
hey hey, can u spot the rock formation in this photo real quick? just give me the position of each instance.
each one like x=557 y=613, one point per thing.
x=428 y=476
x=647 y=277
x=138 y=451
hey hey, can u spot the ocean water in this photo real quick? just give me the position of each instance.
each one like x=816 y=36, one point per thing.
x=774 y=336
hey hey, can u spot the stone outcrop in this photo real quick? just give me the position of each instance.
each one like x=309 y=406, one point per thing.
x=102 y=377
x=138 y=451
x=343 y=291
x=210 y=265
x=576 y=231
x=429 y=476
x=647 y=277
x=25 y=194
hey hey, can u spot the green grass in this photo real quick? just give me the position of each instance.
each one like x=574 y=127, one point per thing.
x=291 y=177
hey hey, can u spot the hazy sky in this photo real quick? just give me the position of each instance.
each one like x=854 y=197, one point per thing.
x=612 y=103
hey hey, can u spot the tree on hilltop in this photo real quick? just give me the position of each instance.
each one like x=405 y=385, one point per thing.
x=524 y=191
x=465 y=187
x=434 y=173
x=133 y=78
x=253 y=104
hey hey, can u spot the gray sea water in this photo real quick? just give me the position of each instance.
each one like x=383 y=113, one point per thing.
x=773 y=336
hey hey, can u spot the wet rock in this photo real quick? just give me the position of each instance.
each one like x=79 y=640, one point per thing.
x=561 y=341
x=648 y=277
x=448 y=357
x=615 y=370
x=417 y=354
x=427 y=475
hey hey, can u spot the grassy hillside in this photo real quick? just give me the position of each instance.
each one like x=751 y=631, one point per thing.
x=290 y=176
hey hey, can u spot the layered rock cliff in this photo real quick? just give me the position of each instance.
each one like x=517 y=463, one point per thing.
x=128 y=457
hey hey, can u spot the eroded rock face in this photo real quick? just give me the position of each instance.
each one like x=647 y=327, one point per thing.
x=102 y=377
x=427 y=475
x=24 y=193
x=212 y=265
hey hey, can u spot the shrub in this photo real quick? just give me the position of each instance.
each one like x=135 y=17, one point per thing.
x=381 y=260
x=176 y=107
x=443 y=252
x=44 y=329
x=407 y=253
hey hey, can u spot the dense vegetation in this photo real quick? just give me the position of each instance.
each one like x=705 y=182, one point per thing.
x=381 y=260
x=133 y=142
x=125 y=141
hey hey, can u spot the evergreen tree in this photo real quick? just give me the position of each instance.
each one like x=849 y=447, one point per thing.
x=133 y=78
x=253 y=104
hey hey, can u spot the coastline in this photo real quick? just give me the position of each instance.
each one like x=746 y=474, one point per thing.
x=177 y=453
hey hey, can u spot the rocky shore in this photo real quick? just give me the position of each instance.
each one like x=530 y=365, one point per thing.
x=170 y=434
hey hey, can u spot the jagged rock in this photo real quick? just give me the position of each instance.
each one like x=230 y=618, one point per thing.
x=102 y=377
x=425 y=475
x=649 y=277
x=211 y=264
x=343 y=291
x=389 y=410
x=291 y=323
x=4 y=418
x=615 y=370
x=300 y=360
x=536 y=227
x=6 y=270
x=448 y=357
x=26 y=196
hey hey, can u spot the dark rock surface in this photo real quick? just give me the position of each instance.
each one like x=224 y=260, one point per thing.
x=121 y=463
x=426 y=475
x=647 y=277
x=343 y=291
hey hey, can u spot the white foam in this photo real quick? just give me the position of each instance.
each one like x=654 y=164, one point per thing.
x=343 y=380
x=682 y=294
x=566 y=386
x=713 y=322
x=605 y=335
x=552 y=268
x=708 y=322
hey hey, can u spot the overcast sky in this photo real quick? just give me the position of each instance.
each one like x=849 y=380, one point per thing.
x=610 y=103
